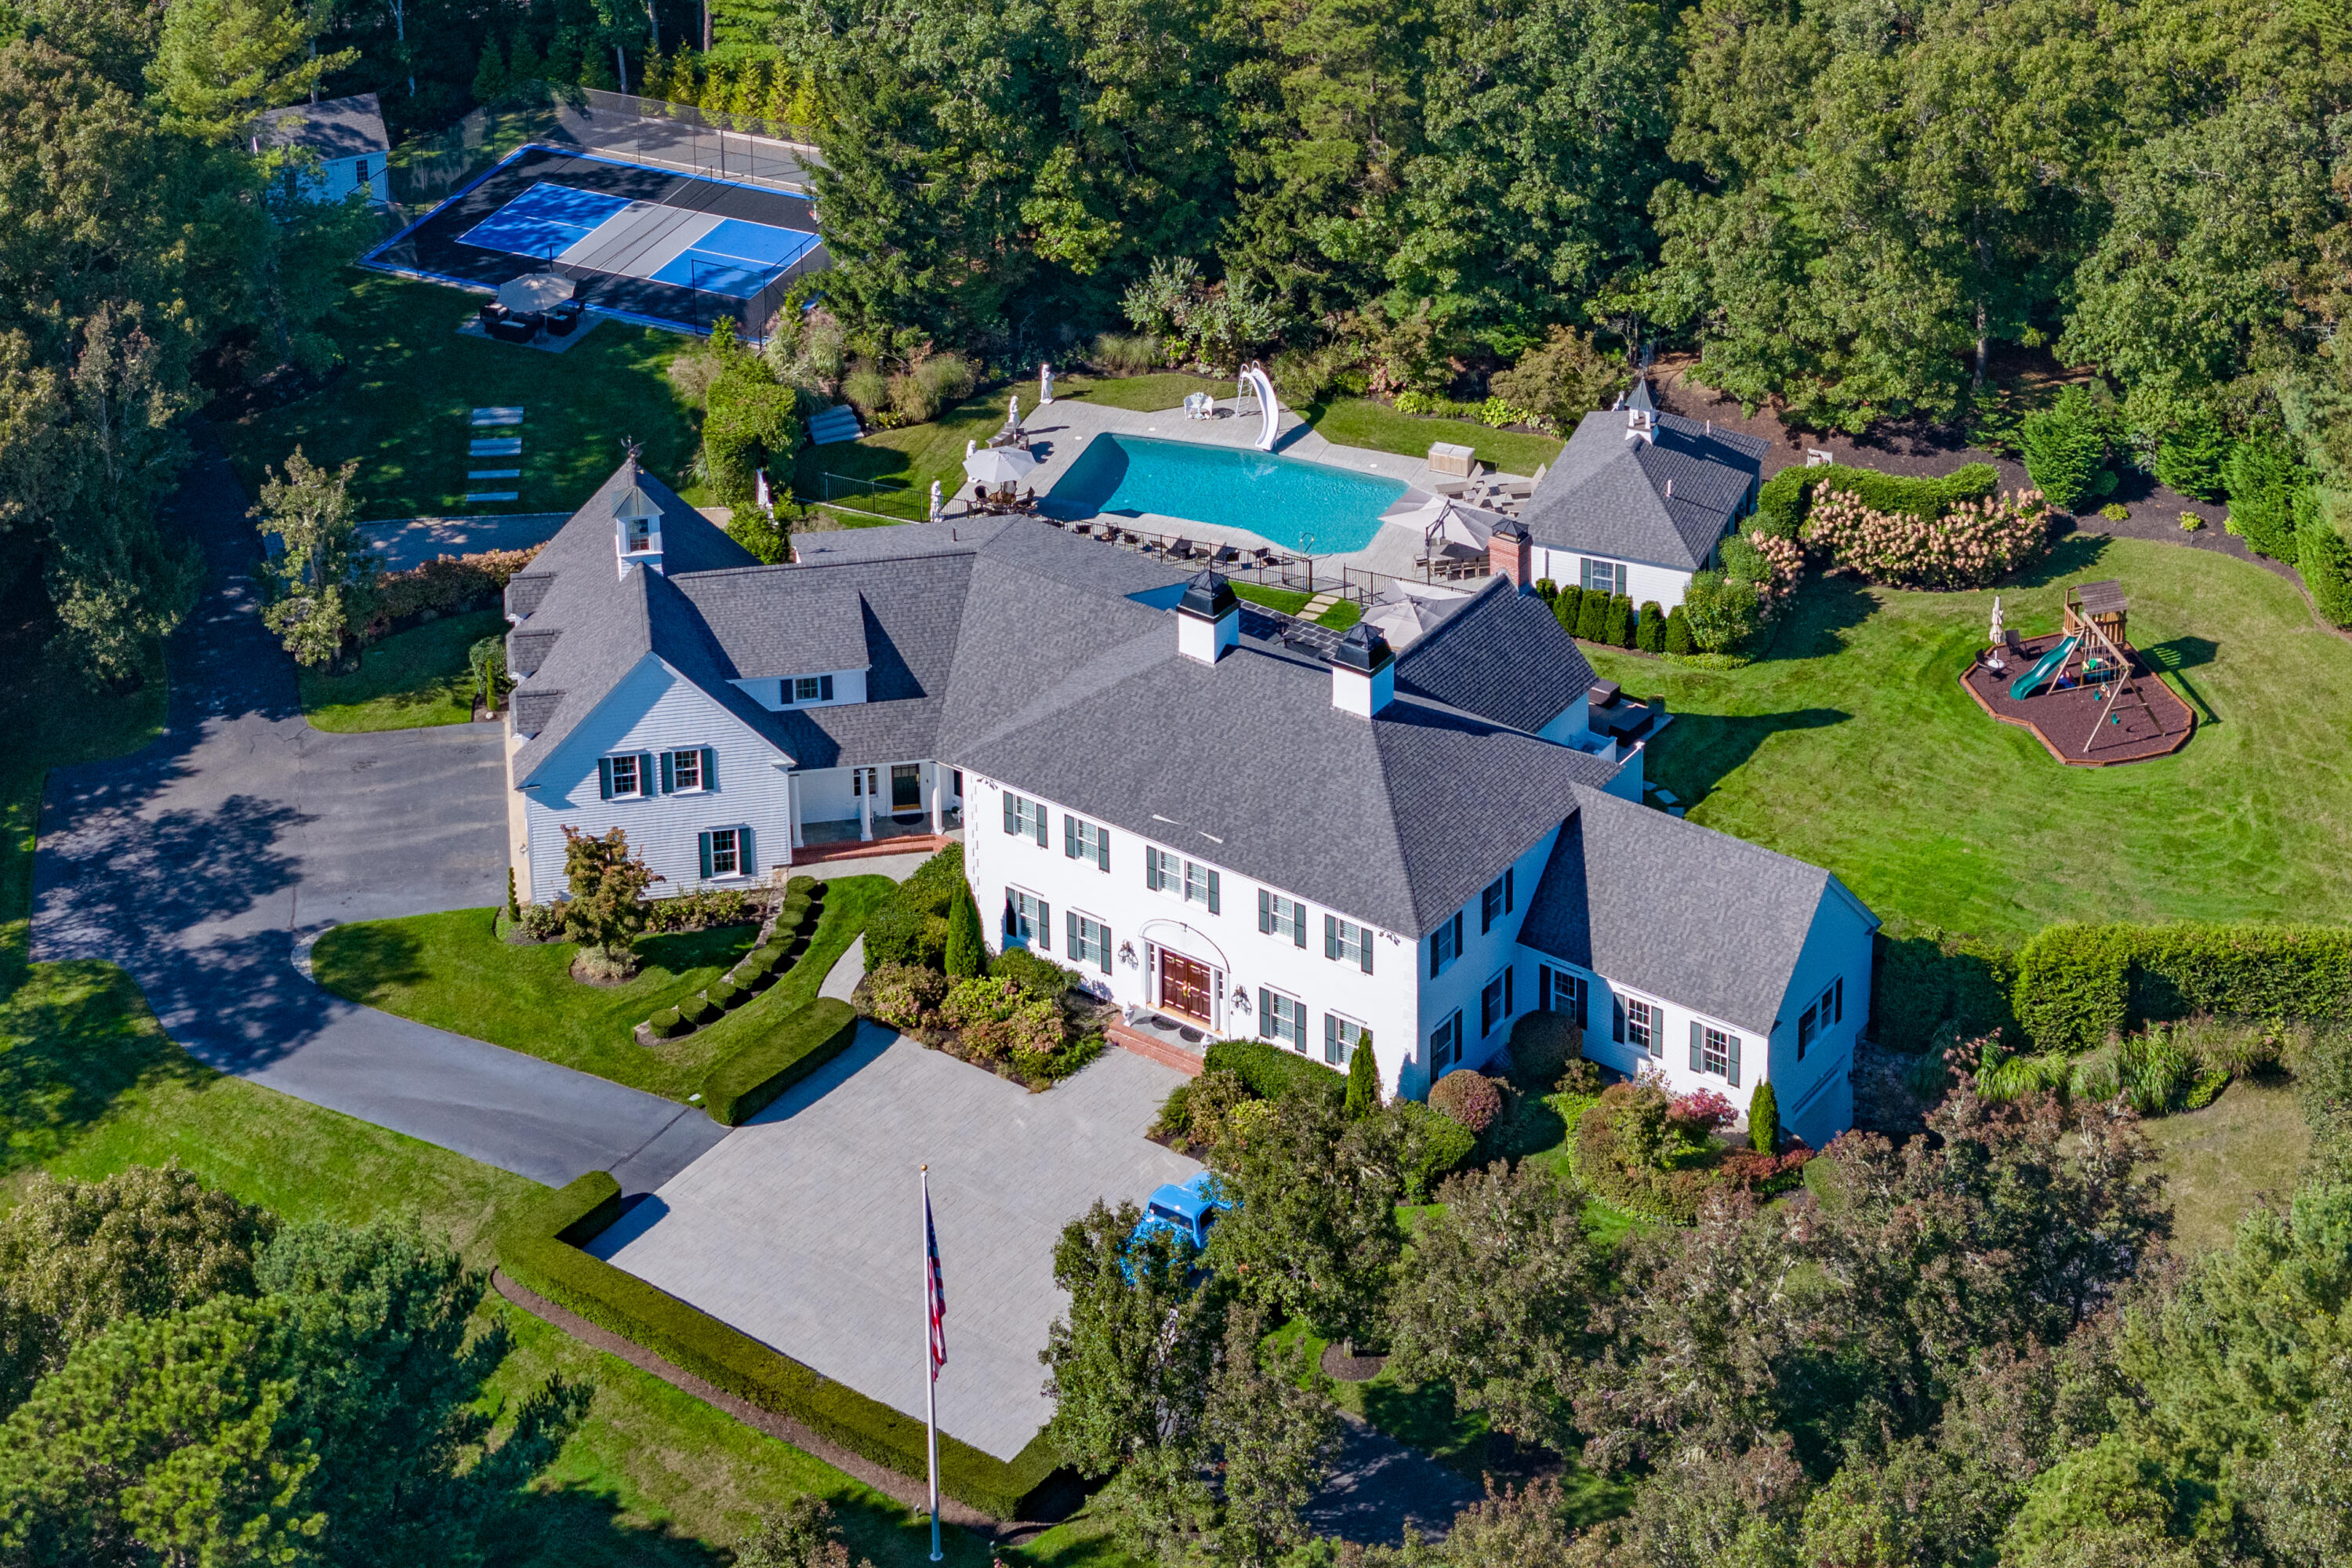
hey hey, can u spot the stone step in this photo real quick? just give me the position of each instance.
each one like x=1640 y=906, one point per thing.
x=1317 y=606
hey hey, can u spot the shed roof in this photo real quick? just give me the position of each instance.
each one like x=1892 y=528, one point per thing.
x=338 y=127
x=1663 y=501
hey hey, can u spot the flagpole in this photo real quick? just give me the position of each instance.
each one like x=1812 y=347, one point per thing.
x=930 y=1369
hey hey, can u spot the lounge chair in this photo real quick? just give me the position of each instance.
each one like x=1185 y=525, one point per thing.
x=1225 y=553
x=1181 y=550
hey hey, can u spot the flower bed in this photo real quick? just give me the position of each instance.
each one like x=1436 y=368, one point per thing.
x=440 y=587
x=1655 y=1154
x=1026 y=1021
x=1972 y=544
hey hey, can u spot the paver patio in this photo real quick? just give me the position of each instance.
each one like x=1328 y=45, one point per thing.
x=803 y=1228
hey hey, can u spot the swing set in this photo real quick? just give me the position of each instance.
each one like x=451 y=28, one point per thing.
x=2093 y=657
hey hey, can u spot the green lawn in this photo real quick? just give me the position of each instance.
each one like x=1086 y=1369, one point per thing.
x=400 y=405
x=2220 y=1161
x=407 y=681
x=1283 y=601
x=448 y=971
x=1363 y=422
x=1852 y=745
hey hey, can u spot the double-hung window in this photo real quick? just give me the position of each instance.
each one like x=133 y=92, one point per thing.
x=1342 y=1038
x=1494 y=902
x=1818 y=1018
x=1089 y=941
x=1446 y=945
x=1164 y=872
x=1281 y=917
x=1635 y=1024
x=1608 y=576
x=1028 y=920
x=1558 y=991
x=1714 y=1051
x=1445 y=1045
x=726 y=852
x=1494 y=1002
x=1085 y=841
x=1025 y=818
x=1282 y=1019
x=807 y=688
x=685 y=773
x=1348 y=943
x=622 y=776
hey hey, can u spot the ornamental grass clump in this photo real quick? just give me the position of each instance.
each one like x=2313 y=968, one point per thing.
x=1973 y=545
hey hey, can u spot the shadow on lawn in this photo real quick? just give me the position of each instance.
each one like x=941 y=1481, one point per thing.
x=76 y=1047
x=1703 y=749
x=363 y=962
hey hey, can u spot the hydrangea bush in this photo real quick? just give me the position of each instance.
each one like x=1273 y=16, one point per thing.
x=1971 y=545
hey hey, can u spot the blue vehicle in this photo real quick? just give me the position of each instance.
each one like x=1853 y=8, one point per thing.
x=1186 y=1210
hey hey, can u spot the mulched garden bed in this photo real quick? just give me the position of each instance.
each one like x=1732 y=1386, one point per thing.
x=2077 y=724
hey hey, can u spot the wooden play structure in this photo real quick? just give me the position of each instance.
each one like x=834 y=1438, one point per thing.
x=2085 y=692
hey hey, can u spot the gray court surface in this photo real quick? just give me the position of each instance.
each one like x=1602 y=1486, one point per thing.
x=414 y=540
x=804 y=1227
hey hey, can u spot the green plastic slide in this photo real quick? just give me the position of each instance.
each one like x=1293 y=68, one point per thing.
x=2044 y=669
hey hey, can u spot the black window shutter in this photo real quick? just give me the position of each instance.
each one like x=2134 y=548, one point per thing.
x=824 y=688
x=604 y=778
x=1265 y=910
x=1617 y=1019
x=1436 y=949
x=1364 y=947
x=1508 y=1006
x=1457 y=933
x=704 y=840
x=1044 y=926
x=1069 y=836
x=1264 y=1013
x=709 y=767
x=1331 y=936
x=1298 y=924
x=1011 y=811
x=743 y=850
x=1072 y=918
x=1699 y=1045
x=1839 y=1005
x=1102 y=849
x=1213 y=892
x=645 y=774
x=667 y=784
x=1041 y=827
x=1507 y=904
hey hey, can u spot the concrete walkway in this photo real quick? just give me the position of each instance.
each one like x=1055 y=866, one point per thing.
x=205 y=864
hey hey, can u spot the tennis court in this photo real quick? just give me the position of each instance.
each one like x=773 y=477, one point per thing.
x=639 y=241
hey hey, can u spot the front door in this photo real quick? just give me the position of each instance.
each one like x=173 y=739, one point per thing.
x=906 y=786
x=1184 y=985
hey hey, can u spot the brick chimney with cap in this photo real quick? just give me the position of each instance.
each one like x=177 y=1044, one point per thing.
x=1511 y=553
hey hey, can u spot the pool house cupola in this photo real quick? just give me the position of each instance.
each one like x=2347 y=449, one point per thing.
x=1208 y=619
x=636 y=528
x=1363 y=672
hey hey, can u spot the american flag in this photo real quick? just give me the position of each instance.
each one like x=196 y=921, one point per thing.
x=939 y=1290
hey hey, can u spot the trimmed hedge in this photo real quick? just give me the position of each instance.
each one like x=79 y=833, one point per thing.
x=910 y=926
x=697 y=1011
x=742 y=1086
x=1922 y=983
x=1272 y=1072
x=540 y=1249
x=666 y=1024
x=723 y=993
x=2077 y=985
x=1785 y=498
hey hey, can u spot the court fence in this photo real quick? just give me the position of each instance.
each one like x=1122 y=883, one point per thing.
x=744 y=148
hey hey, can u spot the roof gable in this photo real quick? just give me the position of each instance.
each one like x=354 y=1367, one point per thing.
x=1504 y=656
x=1664 y=501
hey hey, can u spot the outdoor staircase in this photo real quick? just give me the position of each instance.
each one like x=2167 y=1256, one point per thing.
x=839 y=423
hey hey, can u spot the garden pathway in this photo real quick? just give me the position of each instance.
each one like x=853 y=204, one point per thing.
x=207 y=863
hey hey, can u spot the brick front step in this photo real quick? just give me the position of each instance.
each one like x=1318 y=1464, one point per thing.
x=1158 y=1050
x=860 y=849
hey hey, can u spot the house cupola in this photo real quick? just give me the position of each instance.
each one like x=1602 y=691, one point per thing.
x=1208 y=618
x=1363 y=671
x=1641 y=413
x=636 y=528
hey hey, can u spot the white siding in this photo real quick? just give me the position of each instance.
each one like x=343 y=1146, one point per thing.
x=1484 y=955
x=653 y=709
x=1645 y=582
x=1385 y=1000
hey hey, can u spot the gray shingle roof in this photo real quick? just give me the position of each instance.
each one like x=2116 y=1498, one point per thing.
x=339 y=128
x=774 y=624
x=1609 y=492
x=1681 y=911
x=1503 y=655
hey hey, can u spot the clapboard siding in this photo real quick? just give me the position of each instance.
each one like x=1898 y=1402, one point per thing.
x=652 y=710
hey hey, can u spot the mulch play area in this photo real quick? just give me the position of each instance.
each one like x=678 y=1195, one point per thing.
x=2076 y=722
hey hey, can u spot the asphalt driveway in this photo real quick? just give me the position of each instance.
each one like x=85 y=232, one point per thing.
x=204 y=864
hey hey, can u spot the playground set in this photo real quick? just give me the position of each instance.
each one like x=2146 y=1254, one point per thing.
x=2086 y=693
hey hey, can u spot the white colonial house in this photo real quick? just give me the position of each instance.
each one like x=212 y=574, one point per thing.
x=1229 y=821
x=1639 y=500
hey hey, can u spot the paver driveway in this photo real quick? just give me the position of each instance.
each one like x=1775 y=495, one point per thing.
x=202 y=864
x=804 y=1228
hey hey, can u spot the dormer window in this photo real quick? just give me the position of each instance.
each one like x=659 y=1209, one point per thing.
x=805 y=689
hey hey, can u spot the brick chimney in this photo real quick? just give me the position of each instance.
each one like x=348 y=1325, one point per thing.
x=1511 y=553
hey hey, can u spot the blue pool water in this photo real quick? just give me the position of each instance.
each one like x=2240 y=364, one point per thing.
x=1302 y=506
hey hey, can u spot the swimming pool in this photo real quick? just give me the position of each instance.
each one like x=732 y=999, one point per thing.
x=1302 y=506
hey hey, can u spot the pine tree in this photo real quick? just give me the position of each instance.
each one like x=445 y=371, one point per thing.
x=1363 y=1082
x=1764 y=1118
x=967 y=953
x=491 y=76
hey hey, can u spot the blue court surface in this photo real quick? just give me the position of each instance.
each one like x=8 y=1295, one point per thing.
x=736 y=258
x=544 y=221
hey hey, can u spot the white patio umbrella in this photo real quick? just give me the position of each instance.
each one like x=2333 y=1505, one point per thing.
x=1996 y=620
x=534 y=291
x=998 y=465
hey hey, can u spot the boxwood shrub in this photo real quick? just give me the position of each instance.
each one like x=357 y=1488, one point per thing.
x=667 y=1024
x=539 y=1248
x=724 y=993
x=748 y=975
x=697 y=1011
x=1272 y=1072
x=742 y=1085
x=804 y=887
x=910 y=926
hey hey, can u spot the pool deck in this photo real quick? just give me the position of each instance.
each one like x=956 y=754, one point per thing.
x=1060 y=430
